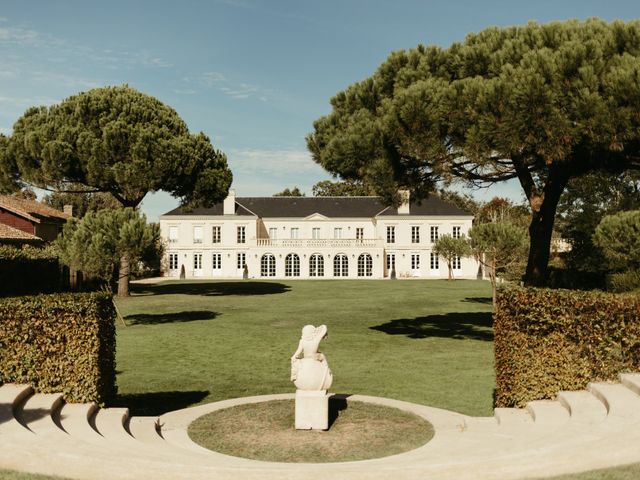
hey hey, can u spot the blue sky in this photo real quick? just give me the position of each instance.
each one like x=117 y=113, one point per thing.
x=253 y=75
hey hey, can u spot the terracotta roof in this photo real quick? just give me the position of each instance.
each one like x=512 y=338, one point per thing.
x=10 y=233
x=331 y=207
x=31 y=209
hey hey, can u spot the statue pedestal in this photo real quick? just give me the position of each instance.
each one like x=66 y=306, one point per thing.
x=312 y=410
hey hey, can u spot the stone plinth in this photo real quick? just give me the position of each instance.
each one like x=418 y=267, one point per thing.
x=312 y=410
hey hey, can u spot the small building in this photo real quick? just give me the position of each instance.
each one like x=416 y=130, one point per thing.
x=313 y=238
x=37 y=221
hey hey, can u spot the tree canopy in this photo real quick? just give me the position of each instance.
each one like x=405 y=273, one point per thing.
x=537 y=103
x=451 y=249
x=290 y=192
x=103 y=241
x=342 y=188
x=115 y=140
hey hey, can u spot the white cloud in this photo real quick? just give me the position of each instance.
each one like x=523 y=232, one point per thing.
x=65 y=80
x=220 y=82
x=184 y=91
x=18 y=36
x=275 y=163
x=24 y=102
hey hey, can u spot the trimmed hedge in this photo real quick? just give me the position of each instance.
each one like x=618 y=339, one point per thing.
x=551 y=340
x=62 y=342
x=28 y=270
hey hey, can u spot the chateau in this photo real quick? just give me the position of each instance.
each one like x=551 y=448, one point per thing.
x=313 y=237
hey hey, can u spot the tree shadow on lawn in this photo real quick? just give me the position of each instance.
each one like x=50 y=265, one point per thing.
x=483 y=300
x=157 y=403
x=176 y=317
x=210 y=288
x=458 y=325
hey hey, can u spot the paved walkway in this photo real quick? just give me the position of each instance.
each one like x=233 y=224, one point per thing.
x=585 y=430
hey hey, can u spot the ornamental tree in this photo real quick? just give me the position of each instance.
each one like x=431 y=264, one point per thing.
x=538 y=103
x=115 y=140
x=451 y=249
x=109 y=242
x=497 y=246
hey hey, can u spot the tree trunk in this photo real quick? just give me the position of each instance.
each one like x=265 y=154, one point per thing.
x=450 y=266
x=542 y=219
x=493 y=279
x=123 y=277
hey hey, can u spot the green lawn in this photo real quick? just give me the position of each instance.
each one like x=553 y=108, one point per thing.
x=424 y=341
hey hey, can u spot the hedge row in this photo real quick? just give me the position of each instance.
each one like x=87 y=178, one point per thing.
x=551 y=340
x=28 y=270
x=62 y=342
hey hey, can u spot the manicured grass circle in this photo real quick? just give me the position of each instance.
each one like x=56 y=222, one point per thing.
x=265 y=431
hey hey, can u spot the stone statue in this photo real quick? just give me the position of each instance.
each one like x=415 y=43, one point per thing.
x=311 y=372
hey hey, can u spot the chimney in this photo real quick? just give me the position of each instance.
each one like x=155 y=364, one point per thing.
x=229 y=206
x=405 y=196
x=68 y=209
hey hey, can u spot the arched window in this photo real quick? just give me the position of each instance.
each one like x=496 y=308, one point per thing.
x=340 y=265
x=268 y=265
x=292 y=265
x=316 y=265
x=365 y=265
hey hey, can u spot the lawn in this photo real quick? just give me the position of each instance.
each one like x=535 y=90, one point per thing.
x=190 y=342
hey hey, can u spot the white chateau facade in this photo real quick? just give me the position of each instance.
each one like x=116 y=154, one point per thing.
x=312 y=238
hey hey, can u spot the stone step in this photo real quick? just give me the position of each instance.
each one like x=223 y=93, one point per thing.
x=548 y=413
x=145 y=430
x=480 y=424
x=75 y=419
x=111 y=424
x=40 y=413
x=513 y=417
x=619 y=400
x=631 y=381
x=583 y=406
x=11 y=396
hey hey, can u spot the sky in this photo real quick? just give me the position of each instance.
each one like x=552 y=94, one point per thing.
x=253 y=75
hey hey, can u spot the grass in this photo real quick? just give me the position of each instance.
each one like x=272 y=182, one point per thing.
x=190 y=342
x=264 y=431
x=14 y=475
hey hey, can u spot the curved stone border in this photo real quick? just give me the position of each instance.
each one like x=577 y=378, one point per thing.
x=590 y=429
x=175 y=425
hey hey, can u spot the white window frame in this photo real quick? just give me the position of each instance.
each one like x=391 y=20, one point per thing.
x=273 y=233
x=216 y=261
x=216 y=234
x=337 y=232
x=295 y=233
x=456 y=231
x=391 y=261
x=415 y=233
x=174 y=260
x=198 y=234
x=391 y=234
x=365 y=265
x=315 y=233
x=359 y=233
x=434 y=262
x=316 y=265
x=174 y=232
x=457 y=263
x=341 y=265
x=433 y=233
x=241 y=234
x=268 y=265
x=241 y=260
x=292 y=265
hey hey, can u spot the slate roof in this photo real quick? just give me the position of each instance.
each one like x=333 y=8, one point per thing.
x=331 y=207
x=32 y=210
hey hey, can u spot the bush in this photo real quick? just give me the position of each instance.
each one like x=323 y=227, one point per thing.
x=624 y=281
x=29 y=270
x=552 y=340
x=575 y=279
x=61 y=342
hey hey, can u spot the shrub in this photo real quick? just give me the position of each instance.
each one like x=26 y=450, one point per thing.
x=62 y=342
x=551 y=340
x=28 y=270
x=624 y=281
